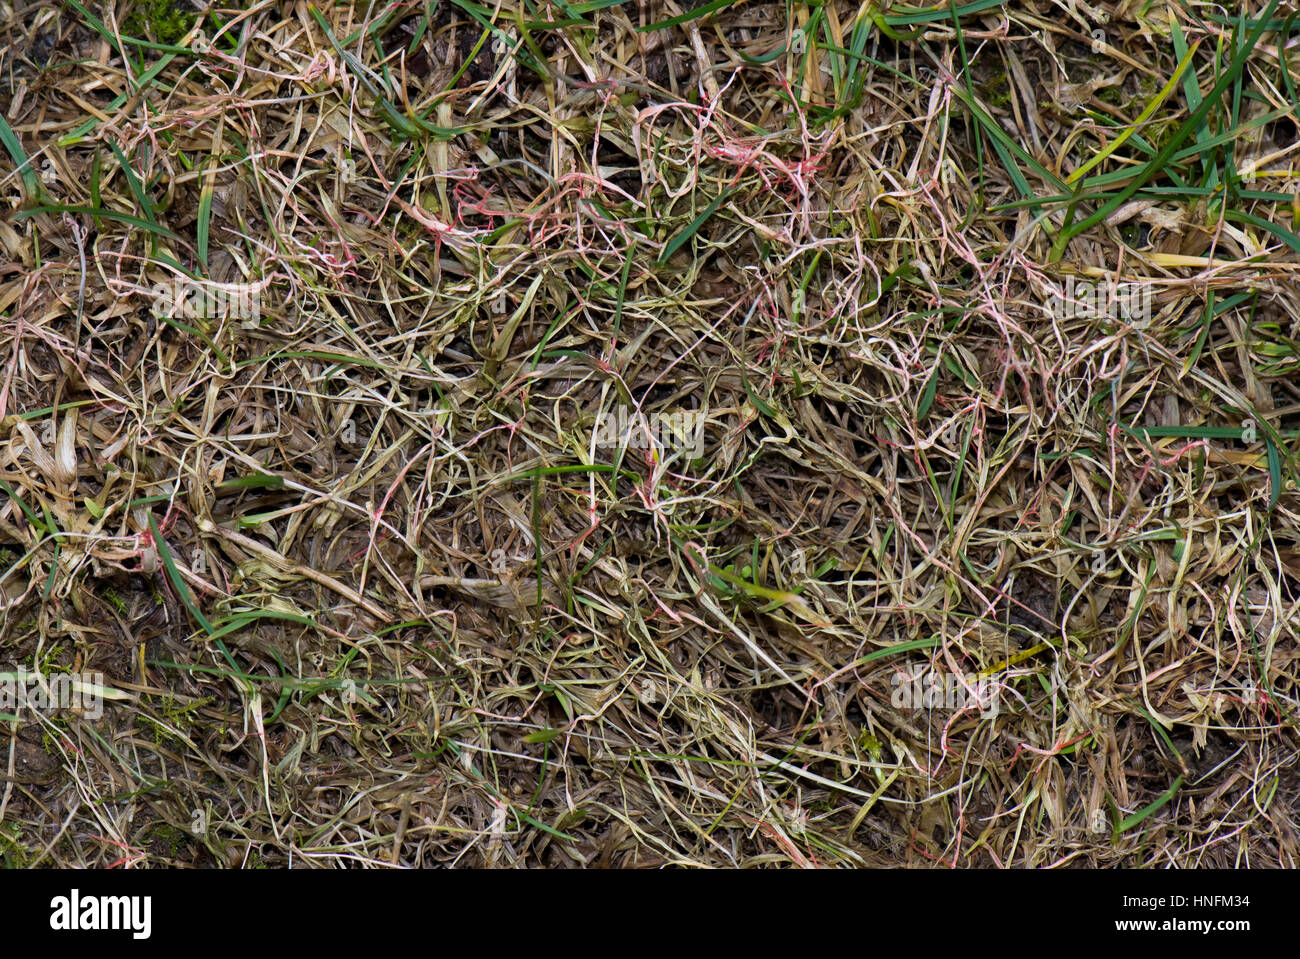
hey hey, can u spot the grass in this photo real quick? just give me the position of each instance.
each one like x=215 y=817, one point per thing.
x=362 y=577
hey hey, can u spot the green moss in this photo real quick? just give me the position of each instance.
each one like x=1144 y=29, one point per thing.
x=162 y=21
x=174 y=838
x=176 y=718
x=161 y=732
x=13 y=854
x=997 y=92
x=111 y=595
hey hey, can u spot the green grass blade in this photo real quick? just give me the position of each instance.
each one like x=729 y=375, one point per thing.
x=31 y=185
x=678 y=241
